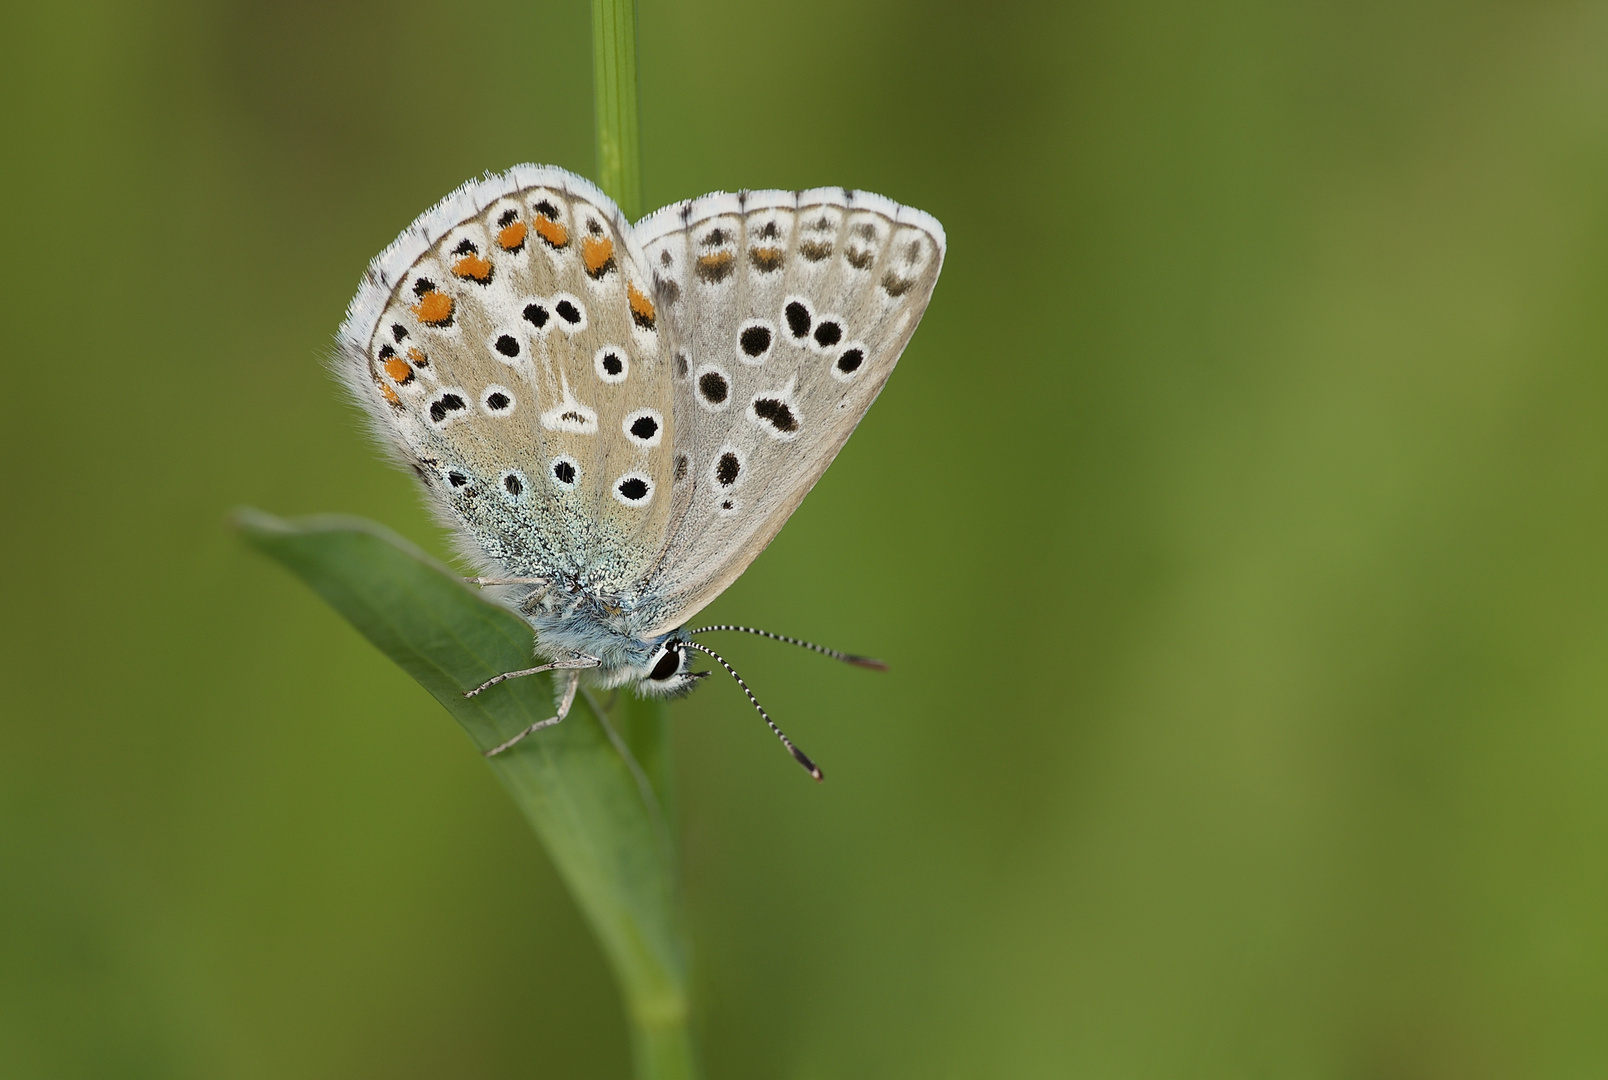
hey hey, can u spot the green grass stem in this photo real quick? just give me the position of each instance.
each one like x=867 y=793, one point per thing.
x=662 y=1045
x=614 y=85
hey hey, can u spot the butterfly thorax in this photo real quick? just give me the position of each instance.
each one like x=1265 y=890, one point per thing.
x=573 y=619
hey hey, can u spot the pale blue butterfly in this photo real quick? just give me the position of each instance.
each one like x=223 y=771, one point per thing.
x=615 y=420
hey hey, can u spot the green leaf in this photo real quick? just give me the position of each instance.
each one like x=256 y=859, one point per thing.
x=594 y=787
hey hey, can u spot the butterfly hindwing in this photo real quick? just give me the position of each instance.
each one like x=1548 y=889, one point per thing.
x=508 y=347
x=792 y=309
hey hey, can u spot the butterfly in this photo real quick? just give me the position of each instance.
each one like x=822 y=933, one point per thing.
x=614 y=420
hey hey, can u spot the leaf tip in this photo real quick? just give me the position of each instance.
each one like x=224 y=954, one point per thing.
x=250 y=520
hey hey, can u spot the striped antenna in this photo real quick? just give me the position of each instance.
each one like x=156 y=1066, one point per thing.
x=798 y=755
x=847 y=658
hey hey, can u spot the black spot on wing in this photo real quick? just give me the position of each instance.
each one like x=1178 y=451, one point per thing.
x=712 y=385
x=798 y=319
x=755 y=340
x=777 y=413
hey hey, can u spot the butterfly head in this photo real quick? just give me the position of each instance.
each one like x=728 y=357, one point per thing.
x=667 y=672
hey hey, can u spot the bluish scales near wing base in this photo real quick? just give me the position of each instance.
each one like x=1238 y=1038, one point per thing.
x=615 y=420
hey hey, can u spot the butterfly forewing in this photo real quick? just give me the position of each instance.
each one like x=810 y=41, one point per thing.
x=509 y=347
x=792 y=309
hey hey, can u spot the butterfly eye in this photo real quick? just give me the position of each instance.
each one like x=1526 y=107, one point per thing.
x=667 y=666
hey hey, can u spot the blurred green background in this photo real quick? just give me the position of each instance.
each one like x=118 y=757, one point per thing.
x=1234 y=526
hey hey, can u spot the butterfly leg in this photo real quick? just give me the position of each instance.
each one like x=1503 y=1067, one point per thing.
x=556 y=665
x=531 y=600
x=572 y=681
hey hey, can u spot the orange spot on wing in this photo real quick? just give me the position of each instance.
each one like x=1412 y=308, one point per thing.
x=765 y=259
x=641 y=306
x=715 y=267
x=512 y=238
x=389 y=395
x=398 y=369
x=434 y=308
x=473 y=266
x=551 y=231
x=596 y=251
x=418 y=358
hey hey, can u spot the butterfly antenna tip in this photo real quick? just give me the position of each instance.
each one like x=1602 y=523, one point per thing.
x=848 y=658
x=798 y=755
